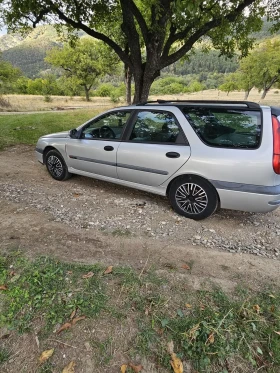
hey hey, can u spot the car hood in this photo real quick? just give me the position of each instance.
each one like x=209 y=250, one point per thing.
x=61 y=135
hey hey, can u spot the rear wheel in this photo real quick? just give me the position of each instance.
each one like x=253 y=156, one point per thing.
x=57 y=166
x=193 y=197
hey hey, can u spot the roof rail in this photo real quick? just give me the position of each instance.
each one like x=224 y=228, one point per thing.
x=249 y=104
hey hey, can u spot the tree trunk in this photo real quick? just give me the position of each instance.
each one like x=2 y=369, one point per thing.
x=142 y=88
x=264 y=93
x=87 y=93
x=128 y=78
x=247 y=94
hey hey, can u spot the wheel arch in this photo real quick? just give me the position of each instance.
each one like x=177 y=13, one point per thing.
x=196 y=176
x=46 y=150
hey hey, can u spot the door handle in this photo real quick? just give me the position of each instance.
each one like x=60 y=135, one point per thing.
x=108 y=148
x=172 y=155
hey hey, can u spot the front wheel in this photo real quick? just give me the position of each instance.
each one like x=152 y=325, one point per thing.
x=57 y=166
x=193 y=197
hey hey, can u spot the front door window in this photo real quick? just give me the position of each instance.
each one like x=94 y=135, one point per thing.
x=107 y=127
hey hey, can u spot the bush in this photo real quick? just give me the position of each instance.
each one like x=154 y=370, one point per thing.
x=47 y=98
x=104 y=90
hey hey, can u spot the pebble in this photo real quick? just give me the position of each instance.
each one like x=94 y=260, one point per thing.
x=89 y=210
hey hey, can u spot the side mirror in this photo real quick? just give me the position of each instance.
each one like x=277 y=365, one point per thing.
x=73 y=133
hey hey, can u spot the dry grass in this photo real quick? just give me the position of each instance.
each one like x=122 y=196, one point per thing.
x=272 y=98
x=30 y=103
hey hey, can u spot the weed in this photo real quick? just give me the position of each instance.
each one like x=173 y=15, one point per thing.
x=209 y=328
x=122 y=233
x=51 y=289
x=4 y=355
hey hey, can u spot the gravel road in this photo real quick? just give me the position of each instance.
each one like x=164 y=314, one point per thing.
x=116 y=211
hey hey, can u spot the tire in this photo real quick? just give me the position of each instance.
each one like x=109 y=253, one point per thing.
x=193 y=197
x=56 y=166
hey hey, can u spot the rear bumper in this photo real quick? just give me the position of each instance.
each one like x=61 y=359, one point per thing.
x=251 y=202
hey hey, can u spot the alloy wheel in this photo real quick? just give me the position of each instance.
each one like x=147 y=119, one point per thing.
x=191 y=198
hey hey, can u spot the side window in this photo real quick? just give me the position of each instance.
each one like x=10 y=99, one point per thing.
x=226 y=128
x=109 y=126
x=155 y=127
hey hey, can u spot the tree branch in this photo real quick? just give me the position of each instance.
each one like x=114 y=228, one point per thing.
x=139 y=18
x=231 y=17
x=98 y=35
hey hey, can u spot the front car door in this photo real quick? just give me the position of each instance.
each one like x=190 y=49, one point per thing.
x=154 y=149
x=96 y=149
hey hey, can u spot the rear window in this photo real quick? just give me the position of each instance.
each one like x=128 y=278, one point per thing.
x=226 y=128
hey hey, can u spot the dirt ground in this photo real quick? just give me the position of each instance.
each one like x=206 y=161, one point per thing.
x=88 y=221
x=43 y=216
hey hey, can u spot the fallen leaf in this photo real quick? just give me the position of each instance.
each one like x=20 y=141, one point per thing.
x=188 y=305
x=185 y=266
x=73 y=314
x=74 y=321
x=210 y=339
x=76 y=195
x=272 y=308
x=3 y=287
x=45 y=355
x=277 y=332
x=136 y=368
x=88 y=275
x=69 y=368
x=257 y=308
x=65 y=326
x=176 y=364
x=108 y=270
x=123 y=368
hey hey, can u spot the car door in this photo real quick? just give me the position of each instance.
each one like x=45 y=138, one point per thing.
x=95 y=151
x=153 y=150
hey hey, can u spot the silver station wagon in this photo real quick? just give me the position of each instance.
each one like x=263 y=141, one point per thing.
x=203 y=155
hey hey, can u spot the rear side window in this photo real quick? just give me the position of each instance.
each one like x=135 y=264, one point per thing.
x=226 y=128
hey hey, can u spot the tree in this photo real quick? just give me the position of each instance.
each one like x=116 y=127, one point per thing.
x=157 y=33
x=84 y=62
x=8 y=75
x=247 y=74
x=231 y=83
x=262 y=67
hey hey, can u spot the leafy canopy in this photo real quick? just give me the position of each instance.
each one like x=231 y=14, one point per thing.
x=148 y=35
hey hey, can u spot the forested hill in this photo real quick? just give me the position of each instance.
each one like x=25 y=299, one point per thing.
x=28 y=54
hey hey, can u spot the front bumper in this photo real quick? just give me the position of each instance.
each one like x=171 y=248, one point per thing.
x=39 y=155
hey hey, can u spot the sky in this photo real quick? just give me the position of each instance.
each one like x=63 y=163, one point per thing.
x=3 y=31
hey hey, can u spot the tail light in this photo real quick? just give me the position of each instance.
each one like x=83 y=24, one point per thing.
x=276 y=144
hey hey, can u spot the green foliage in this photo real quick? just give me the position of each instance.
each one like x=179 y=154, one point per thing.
x=85 y=61
x=8 y=75
x=262 y=67
x=232 y=83
x=147 y=36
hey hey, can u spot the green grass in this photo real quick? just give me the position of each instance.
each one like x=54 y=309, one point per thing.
x=27 y=128
x=214 y=331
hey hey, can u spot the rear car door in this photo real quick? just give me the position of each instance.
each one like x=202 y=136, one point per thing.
x=96 y=149
x=154 y=148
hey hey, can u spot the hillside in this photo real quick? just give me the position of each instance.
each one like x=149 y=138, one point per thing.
x=28 y=53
